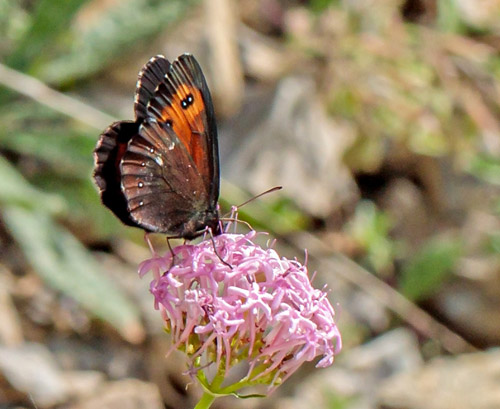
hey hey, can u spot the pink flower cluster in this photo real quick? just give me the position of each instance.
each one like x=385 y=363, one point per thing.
x=262 y=309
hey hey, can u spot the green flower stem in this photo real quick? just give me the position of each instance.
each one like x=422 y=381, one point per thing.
x=215 y=387
x=205 y=401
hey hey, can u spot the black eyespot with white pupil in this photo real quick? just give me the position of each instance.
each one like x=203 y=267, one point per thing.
x=187 y=102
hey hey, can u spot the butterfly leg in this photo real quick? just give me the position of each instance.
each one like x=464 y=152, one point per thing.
x=171 y=252
x=150 y=245
x=209 y=231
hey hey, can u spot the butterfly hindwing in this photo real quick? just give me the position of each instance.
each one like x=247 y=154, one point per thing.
x=108 y=153
x=159 y=180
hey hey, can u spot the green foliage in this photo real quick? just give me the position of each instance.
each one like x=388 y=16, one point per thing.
x=370 y=228
x=66 y=265
x=320 y=5
x=449 y=16
x=52 y=45
x=38 y=132
x=106 y=40
x=406 y=84
x=18 y=192
x=55 y=253
x=62 y=155
x=337 y=401
x=49 y=20
x=278 y=216
x=13 y=23
x=493 y=242
x=429 y=268
x=486 y=167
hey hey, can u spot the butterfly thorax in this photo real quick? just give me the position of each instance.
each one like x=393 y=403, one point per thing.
x=198 y=225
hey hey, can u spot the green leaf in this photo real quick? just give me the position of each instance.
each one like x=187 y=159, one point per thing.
x=492 y=241
x=370 y=228
x=318 y=6
x=67 y=153
x=16 y=190
x=486 y=167
x=448 y=16
x=50 y=19
x=113 y=34
x=430 y=267
x=83 y=199
x=34 y=130
x=13 y=23
x=252 y=395
x=66 y=265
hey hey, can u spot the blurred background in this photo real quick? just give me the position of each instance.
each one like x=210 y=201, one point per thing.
x=380 y=119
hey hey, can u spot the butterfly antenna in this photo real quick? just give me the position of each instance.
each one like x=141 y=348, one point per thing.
x=273 y=189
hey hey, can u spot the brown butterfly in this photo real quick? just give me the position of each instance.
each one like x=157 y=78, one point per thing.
x=161 y=171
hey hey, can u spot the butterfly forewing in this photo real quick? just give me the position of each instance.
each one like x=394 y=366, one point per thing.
x=150 y=76
x=183 y=102
x=159 y=180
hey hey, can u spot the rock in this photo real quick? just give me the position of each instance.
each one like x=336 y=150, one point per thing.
x=83 y=383
x=123 y=394
x=460 y=382
x=480 y=13
x=352 y=382
x=31 y=374
x=404 y=201
x=473 y=311
x=296 y=145
x=170 y=374
x=471 y=303
x=31 y=369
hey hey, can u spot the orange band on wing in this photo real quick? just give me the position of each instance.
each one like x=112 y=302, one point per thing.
x=185 y=116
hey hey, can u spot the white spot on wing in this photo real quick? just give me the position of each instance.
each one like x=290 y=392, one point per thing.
x=159 y=160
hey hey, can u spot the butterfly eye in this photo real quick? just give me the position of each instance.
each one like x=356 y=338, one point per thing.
x=169 y=123
x=187 y=102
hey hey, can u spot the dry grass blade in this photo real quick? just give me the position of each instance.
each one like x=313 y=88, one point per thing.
x=41 y=93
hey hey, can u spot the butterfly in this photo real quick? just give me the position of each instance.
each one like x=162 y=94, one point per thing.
x=161 y=171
